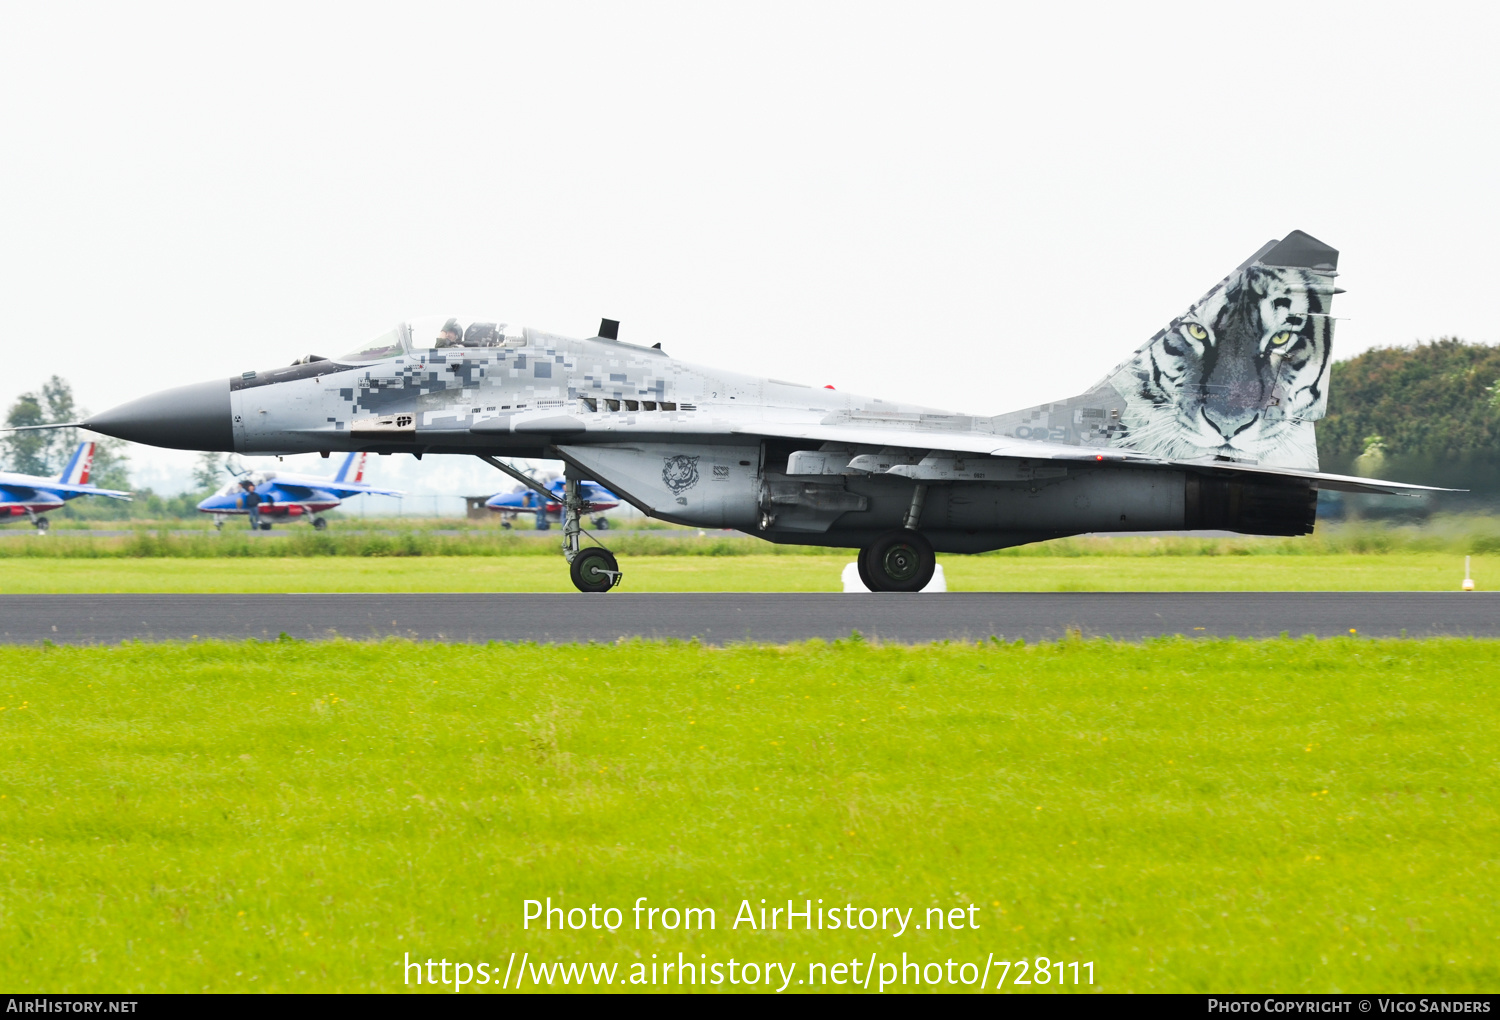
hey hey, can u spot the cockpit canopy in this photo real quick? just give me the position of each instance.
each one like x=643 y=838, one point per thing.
x=433 y=332
x=232 y=487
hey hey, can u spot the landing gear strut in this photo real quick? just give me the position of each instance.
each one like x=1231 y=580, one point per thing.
x=593 y=569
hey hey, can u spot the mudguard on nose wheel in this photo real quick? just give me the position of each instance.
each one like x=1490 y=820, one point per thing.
x=594 y=570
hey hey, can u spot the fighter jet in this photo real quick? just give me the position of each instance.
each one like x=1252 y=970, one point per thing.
x=1209 y=424
x=31 y=496
x=524 y=500
x=266 y=494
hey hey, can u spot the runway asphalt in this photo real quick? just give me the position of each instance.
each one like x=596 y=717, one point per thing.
x=726 y=618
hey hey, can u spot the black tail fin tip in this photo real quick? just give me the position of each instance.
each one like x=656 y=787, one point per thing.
x=1301 y=251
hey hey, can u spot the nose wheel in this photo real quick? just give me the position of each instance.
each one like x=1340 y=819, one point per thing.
x=594 y=570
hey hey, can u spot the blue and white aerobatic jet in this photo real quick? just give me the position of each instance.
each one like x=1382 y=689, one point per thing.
x=548 y=511
x=31 y=496
x=262 y=495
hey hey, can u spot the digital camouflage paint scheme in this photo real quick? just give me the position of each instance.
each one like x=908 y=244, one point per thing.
x=1208 y=425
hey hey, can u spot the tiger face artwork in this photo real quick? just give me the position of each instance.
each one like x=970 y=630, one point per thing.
x=1241 y=375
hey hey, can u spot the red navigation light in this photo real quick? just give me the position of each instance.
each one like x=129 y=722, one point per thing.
x=828 y=387
x=1099 y=456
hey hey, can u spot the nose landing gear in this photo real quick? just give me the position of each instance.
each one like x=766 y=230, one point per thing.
x=593 y=569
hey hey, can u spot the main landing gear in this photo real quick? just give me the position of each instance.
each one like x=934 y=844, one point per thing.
x=593 y=569
x=900 y=560
x=39 y=522
x=319 y=523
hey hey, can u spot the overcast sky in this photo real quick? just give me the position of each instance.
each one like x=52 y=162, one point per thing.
x=971 y=206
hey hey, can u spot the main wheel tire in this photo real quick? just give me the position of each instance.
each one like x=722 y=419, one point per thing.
x=862 y=561
x=265 y=525
x=601 y=524
x=899 y=561
x=587 y=570
x=42 y=524
x=319 y=524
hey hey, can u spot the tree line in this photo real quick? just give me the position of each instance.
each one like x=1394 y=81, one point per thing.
x=1426 y=413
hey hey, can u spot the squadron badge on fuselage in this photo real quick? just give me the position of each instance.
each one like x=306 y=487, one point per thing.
x=680 y=473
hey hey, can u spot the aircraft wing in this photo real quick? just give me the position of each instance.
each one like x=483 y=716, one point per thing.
x=61 y=487
x=295 y=491
x=17 y=494
x=972 y=443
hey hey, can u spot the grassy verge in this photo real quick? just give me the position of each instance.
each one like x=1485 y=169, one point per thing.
x=1271 y=816
x=1341 y=572
x=1456 y=535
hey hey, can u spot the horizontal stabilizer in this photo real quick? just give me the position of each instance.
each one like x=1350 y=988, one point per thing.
x=976 y=443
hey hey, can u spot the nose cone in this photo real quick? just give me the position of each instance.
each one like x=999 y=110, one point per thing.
x=217 y=502
x=192 y=417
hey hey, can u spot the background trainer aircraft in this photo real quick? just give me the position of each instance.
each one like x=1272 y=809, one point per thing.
x=266 y=494
x=525 y=500
x=32 y=496
x=1209 y=424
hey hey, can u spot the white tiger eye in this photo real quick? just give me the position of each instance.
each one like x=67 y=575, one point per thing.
x=1281 y=338
x=1197 y=332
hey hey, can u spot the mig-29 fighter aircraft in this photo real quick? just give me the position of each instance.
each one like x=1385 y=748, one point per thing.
x=1209 y=424
x=32 y=496
x=265 y=494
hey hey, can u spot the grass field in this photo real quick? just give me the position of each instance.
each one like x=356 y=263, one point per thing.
x=1433 y=571
x=1211 y=815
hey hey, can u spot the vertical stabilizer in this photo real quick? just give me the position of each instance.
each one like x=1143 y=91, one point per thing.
x=352 y=470
x=1240 y=376
x=76 y=471
x=1243 y=374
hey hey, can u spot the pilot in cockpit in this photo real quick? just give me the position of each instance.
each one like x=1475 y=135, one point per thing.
x=451 y=335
